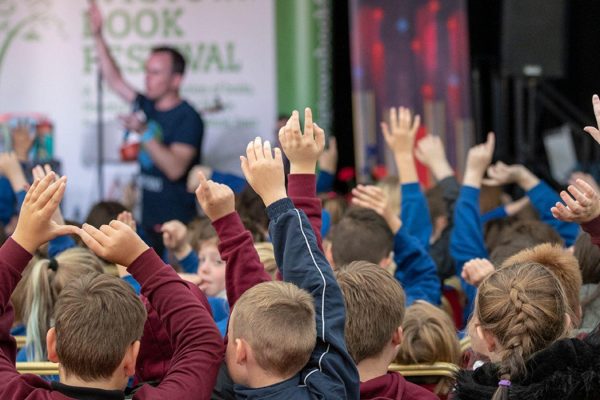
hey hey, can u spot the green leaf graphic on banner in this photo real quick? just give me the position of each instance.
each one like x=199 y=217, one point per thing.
x=37 y=13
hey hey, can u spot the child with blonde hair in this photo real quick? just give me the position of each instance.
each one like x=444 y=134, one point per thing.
x=520 y=311
x=429 y=337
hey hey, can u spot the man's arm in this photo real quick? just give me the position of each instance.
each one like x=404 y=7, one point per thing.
x=173 y=160
x=108 y=67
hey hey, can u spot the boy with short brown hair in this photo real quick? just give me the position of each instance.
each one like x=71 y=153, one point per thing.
x=374 y=313
x=330 y=372
x=92 y=367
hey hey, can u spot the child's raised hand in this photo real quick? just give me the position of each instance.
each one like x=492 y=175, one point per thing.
x=303 y=150
x=430 y=151
x=264 y=171
x=174 y=235
x=35 y=226
x=217 y=200
x=127 y=218
x=583 y=205
x=478 y=159
x=476 y=270
x=39 y=173
x=329 y=158
x=401 y=132
x=115 y=242
x=10 y=167
x=373 y=197
x=592 y=130
x=500 y=174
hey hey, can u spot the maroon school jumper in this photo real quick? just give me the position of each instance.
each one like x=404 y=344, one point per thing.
x=393 y=386
x=593 y=229
x=198 y=346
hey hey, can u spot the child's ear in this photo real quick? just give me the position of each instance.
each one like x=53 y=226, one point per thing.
x=51 y=345
x=130 y=358
x=386 y=261
x=398 y=337
x=569 y=321
x=241 y=351
x=329 y=255
x=488 y=339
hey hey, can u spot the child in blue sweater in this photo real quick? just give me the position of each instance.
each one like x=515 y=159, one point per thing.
x=286 y=340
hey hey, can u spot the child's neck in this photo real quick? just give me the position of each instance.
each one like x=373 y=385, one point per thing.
x=112 y=383
x=372 y=368
x=259 y=379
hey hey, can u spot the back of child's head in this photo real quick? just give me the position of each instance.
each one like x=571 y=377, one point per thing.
x=266 y=254
x=429 y=336
x=277 y=320
x=435 y=202
x=336 y=207
x=43 y=284
x=104 y=212
x=374 y=308
x=560 y=262
x=523 y=234
x=524 y=307
x=361 y=235
x=588 y=255
x=495 y=230
x=97 y=317
x=252 y=210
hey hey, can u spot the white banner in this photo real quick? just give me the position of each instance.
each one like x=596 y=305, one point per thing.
x=47 y=65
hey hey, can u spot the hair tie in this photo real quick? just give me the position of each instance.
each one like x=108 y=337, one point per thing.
x=53 y=264
x=504 y=383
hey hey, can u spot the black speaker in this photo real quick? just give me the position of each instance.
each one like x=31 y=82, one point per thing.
x=534 y=37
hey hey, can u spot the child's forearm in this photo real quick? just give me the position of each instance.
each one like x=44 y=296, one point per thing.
x=243 y=267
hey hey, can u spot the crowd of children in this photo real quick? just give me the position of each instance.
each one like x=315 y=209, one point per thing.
x=277 y=293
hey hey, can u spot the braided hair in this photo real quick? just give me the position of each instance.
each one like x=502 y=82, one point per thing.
x=524 y=307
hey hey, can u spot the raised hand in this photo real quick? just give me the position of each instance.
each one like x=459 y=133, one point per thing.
x=401 y=132
x=35 y=226
x=373 y=197
x=217 y=200
x=582 y=205
x=329 y=158
x=174 y=235
x=127 y=218
x=476 y=270
x=264 y=171
x=592 y=130
x=589 y=179
x=500 y=174
x=478 y=159
x=430 y=151
x=303 y=150
x=10 y=167
x=115 y=242
x=40 y=173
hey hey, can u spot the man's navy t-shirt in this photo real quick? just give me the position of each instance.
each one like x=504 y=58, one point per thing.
x=163 y=199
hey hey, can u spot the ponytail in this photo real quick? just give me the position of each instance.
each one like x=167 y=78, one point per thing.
x=38 y=310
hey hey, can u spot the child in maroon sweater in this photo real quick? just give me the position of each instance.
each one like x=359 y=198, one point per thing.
x=99 y=320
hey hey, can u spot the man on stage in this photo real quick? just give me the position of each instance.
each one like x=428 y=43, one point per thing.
x=171 y=131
